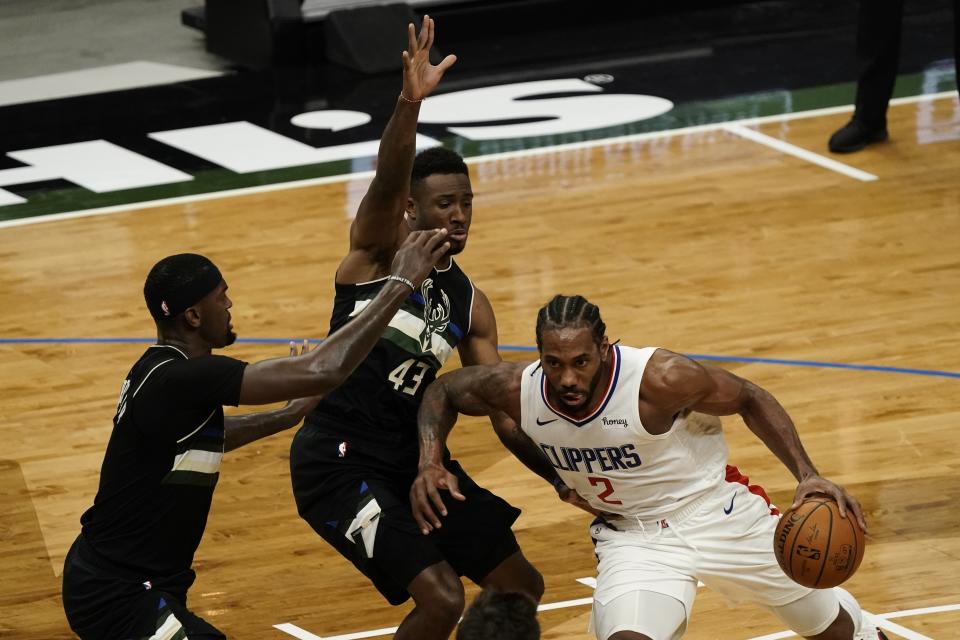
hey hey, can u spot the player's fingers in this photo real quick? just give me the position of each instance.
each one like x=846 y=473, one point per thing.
x=453 y=485
x=437 y=501
x=433 y=239
x=421 y=34
x=861 y=519
x=425 y=35
x=798 y=499
x=842 y=501
x=857 y=509
x=305 y=348
x=293 y=348
x=411 y=38
x=429 y=42
x=420 y=507
x=446 y=63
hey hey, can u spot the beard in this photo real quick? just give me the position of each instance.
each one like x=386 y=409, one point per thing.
x=229 y=338
x=591 y=388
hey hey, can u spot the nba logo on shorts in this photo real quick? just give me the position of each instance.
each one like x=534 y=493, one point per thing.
x=342 y=450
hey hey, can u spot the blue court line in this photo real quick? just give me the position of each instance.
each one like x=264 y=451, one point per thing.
x=526 y=348
x=829 y=365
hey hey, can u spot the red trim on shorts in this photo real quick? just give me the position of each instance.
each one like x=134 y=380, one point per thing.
x=734 y=475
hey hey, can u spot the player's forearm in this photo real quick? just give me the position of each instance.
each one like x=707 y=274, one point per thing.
x=769 y=421
x=339 y=355
x=435 y=420
x=327 y=366
x=241 y=430
x=524 y=449
x=397 y=148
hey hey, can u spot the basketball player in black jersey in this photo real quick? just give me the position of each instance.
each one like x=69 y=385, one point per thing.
x=354 y=459
x=127 y=574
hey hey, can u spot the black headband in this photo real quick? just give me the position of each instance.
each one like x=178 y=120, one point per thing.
x=175 y=300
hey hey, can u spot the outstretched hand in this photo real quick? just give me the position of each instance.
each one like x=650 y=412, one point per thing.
x=300 y=407
x=425 y=498
x=818 y=484
x=420 y=77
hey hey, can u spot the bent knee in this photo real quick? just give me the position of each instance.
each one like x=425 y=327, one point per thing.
x=439 y=594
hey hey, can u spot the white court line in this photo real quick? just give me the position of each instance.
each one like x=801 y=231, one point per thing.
x=566 y=604
x=882 y=620
x=573 y=146
x=303 y=634
x=919 y=612
x=799 y=152
x=296 y=631
x=776 y=636
x=883 y=623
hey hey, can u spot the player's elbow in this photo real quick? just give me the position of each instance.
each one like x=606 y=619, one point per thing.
x=753 y=399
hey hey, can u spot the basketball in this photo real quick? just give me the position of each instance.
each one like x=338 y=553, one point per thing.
x=815 y=546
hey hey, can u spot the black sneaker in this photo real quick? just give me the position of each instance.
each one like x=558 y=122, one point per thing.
x=854 y=136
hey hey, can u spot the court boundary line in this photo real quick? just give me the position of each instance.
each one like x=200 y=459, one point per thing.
x=882 y=620
x=572 y=146
x=529 y=349
x=799 y=152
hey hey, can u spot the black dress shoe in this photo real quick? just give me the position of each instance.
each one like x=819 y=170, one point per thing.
x=854 y=136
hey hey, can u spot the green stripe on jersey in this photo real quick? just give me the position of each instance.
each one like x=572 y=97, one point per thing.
x=411 y=346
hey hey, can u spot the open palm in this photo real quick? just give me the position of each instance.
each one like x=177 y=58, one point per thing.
x=420 y=77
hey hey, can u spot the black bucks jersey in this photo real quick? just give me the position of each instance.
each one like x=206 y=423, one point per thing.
x=372 y=417
x=162 y=462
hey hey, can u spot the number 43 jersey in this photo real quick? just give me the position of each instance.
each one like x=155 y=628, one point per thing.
x=374 y=413
x=610 y=459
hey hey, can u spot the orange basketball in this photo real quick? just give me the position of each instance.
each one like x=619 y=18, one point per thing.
x=815 y=546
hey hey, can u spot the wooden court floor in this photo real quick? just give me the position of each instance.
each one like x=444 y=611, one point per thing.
x=705 y=242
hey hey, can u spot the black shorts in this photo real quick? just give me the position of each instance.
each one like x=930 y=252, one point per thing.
x=474 y=539
x=105 y=603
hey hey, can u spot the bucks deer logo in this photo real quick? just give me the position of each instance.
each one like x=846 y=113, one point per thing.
x=436 y=313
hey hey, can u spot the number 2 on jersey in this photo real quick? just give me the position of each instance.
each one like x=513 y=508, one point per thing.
x=605 y=494
x=399 y=376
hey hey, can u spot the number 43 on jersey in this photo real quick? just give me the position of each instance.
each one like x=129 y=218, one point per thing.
x=408 y=376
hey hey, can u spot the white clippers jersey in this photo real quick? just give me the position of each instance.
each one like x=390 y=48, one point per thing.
x=609 y=458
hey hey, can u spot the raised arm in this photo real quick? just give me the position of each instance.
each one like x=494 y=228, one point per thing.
x=673 y=383
x=377 y=228
x=327 y=366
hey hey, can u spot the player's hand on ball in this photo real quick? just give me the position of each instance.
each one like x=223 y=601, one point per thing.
x=818 y=484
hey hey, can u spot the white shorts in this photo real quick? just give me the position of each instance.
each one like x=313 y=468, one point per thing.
x=724 y=539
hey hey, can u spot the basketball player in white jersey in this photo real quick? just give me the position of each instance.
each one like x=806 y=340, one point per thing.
x=611 y=428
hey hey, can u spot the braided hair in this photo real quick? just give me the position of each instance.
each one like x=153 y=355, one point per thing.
x=570 y=311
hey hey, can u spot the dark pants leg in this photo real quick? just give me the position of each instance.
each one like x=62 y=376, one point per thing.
x=879 y=25
x=956 y=40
